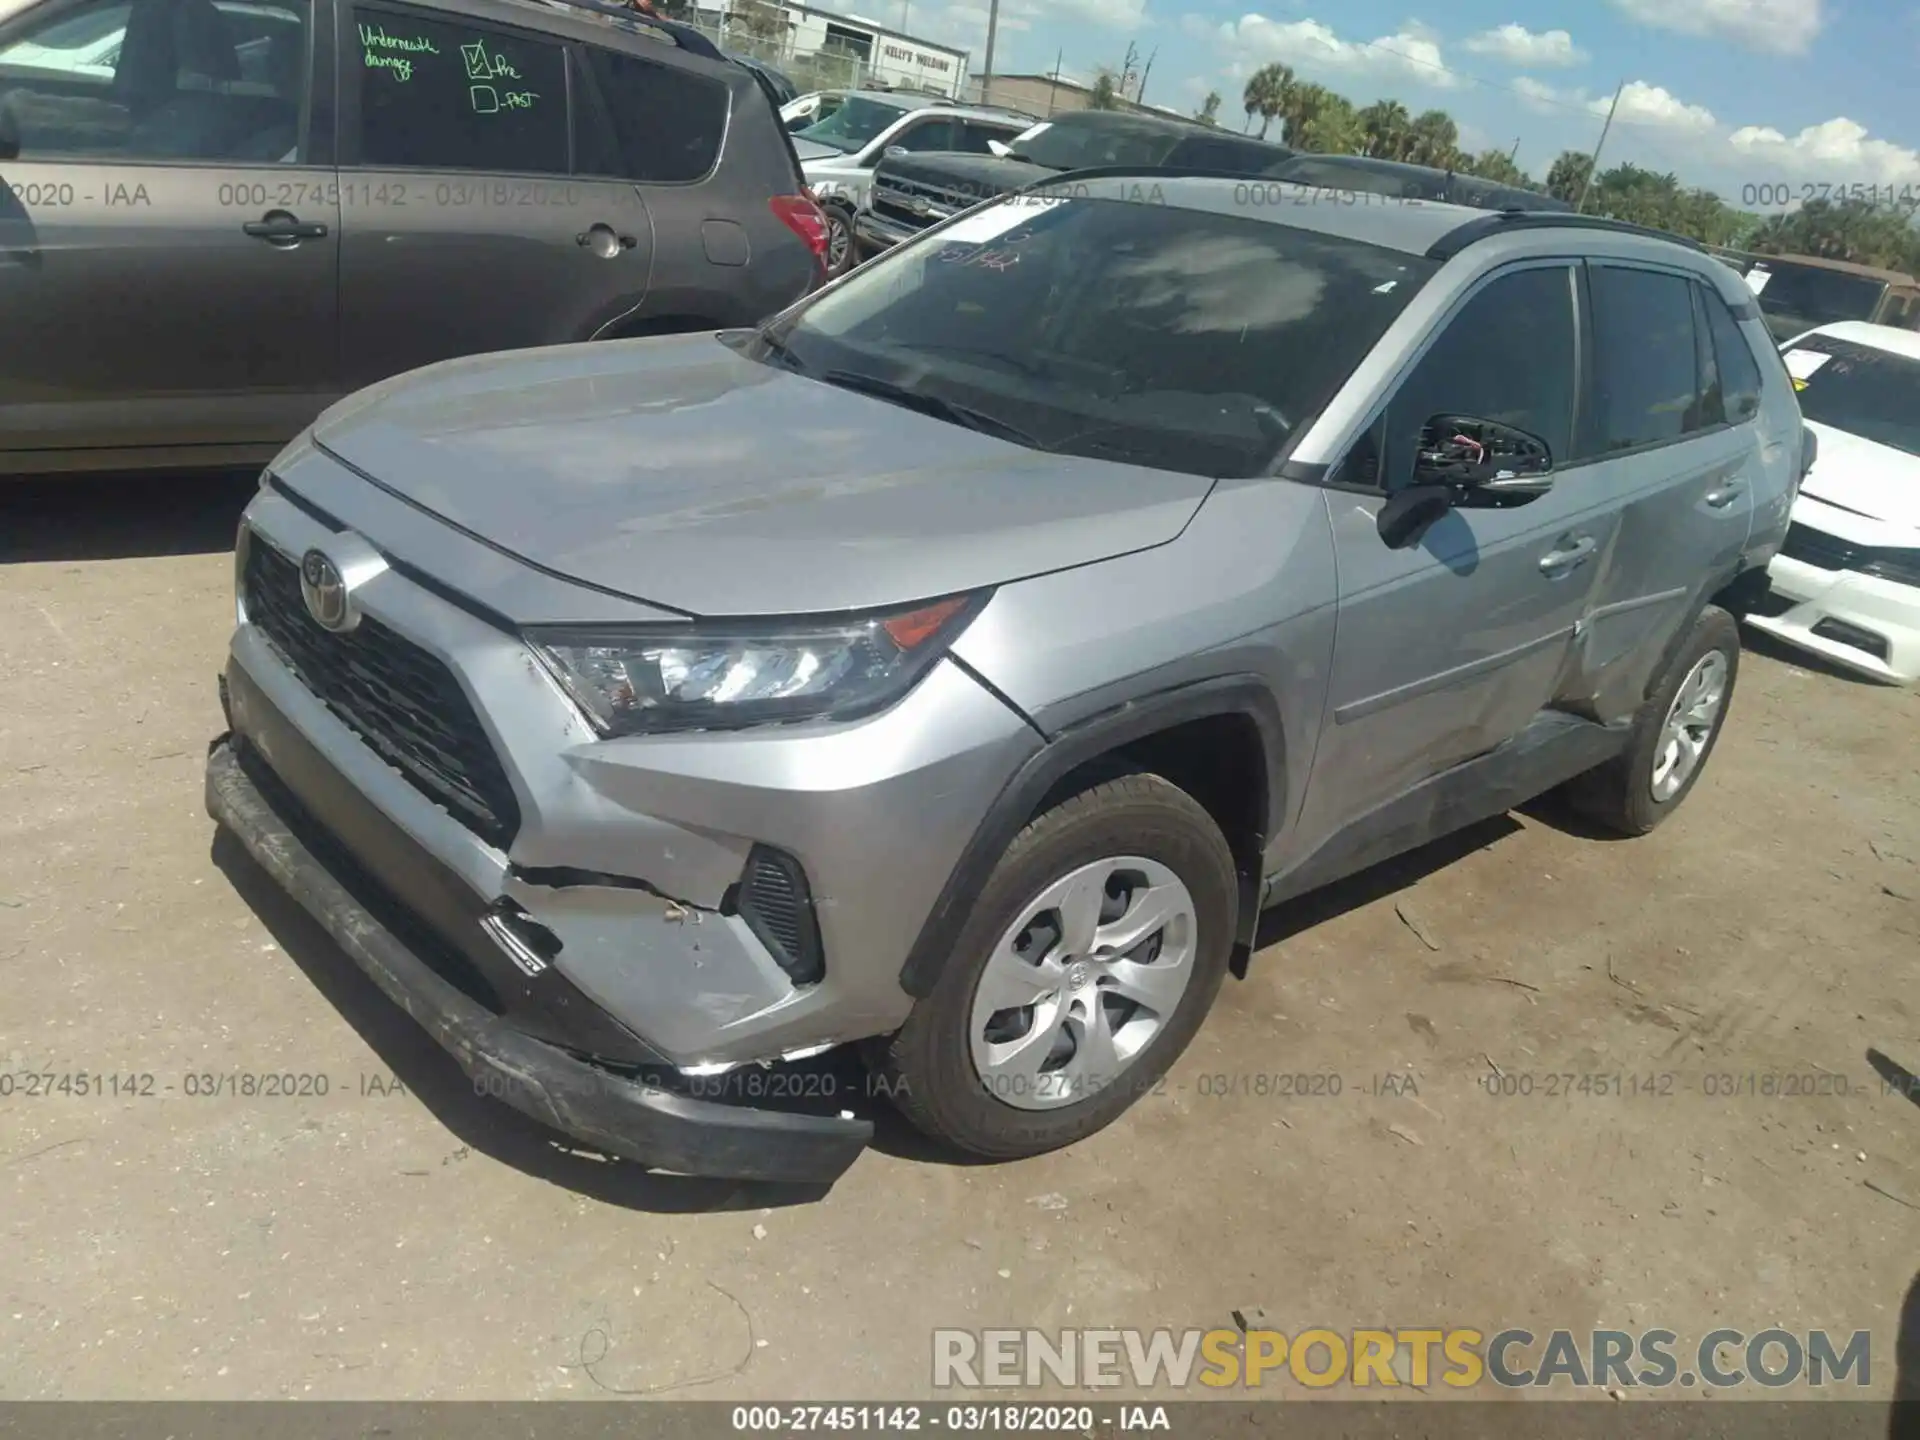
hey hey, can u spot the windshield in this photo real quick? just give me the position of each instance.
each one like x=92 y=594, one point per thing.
x=1871 y=393
x=854 y=125
x=1083 y=145
x=1141 y=332
x=1798 y=298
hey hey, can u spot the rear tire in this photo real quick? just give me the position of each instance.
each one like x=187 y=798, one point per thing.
x=842 y=249
x=1090 y=918
x=1673 y=735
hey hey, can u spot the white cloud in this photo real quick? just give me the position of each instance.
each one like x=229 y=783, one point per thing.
x=1840 y=151
x=1545 y=99
x=1412 y=55
x=1112 y=14
x=1782 y=27
x=1644 y=104
x=1518 y=45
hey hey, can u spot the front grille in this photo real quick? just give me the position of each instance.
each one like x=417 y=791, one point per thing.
x=1817 y=548
x=1830 y=552
x=401 y=701
x=895 y=199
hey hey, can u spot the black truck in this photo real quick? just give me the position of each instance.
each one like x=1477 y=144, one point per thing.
x=913 y=191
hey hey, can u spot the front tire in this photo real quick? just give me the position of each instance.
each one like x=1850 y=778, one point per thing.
x=1095 y=950
x=1673 y=734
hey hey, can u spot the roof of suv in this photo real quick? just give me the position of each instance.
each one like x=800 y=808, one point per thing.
x=589 y=20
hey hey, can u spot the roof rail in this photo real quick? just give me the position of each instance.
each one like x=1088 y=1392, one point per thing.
x=634 y=22
x=1502 y=222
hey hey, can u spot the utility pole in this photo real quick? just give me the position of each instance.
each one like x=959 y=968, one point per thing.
x=1053 y=88
x=1593 y=165
x=993 y=26
x=1513 y=155
x=1140 y=92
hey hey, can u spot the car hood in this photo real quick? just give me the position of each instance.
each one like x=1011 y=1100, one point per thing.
x=1866 y=479
x=684 y=475
x=980 y=176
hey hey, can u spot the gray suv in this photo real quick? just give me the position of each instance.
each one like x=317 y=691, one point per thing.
x=217 y=217
x=956 y=665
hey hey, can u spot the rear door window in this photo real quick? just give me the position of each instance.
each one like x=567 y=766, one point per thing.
x=935 y=134
x=438 y=94
x=1647 y=380
x=667 y=122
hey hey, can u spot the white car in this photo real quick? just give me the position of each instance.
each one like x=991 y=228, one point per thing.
x=1846 y=584
x=838 y=154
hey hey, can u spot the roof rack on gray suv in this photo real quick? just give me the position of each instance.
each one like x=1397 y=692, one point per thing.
x=1505 y=222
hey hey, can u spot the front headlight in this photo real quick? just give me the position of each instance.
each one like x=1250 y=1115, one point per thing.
x=724 y=676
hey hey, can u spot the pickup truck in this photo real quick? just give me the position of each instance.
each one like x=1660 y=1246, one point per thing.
x=913 y=191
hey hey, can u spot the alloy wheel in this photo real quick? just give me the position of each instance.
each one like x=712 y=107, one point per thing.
x=1691 y=721
x=1081 y=983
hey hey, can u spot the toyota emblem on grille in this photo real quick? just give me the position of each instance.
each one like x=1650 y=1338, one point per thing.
x=325 y=591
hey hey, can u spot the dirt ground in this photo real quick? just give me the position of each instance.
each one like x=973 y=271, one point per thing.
x=399 y=1237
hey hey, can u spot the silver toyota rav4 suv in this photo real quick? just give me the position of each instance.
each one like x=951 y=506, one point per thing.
x=956 y=665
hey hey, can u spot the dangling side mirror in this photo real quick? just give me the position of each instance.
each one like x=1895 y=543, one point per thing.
x=1484 y=462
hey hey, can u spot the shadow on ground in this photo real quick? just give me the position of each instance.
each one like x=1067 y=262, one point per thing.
x=116 y=517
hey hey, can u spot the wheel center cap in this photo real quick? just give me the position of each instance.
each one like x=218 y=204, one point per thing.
x=1078 y=975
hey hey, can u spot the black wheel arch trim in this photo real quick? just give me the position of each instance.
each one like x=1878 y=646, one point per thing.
x=1074 y=746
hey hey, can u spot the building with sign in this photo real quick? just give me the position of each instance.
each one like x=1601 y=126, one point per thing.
x=866 y=52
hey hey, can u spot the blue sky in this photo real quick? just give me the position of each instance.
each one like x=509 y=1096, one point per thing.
x=1728 y=93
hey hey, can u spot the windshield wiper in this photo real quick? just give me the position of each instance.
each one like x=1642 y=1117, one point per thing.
x=781 y=351
x=938 y=406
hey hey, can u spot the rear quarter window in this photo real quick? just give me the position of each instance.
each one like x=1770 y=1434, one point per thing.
x=666 y=123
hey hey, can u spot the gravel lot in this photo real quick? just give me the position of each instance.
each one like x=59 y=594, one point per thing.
x=399 y=1237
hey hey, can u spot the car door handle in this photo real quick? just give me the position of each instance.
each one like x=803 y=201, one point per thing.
x=281 y=227
x=1724 y=495
x=600 y=234
x=1569 y=556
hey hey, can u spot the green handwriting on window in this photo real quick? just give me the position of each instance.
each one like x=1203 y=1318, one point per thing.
x=382 y=50
x=486 y=100
x=484 y=66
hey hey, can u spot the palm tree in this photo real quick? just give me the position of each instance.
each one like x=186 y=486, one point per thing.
x=1265 y=94
x=1568 y=177
x=1300 y=106
x=1435 y=140
x=1388 y=128
x=1496 y=165
x=1105 y=94
x=1209 y=111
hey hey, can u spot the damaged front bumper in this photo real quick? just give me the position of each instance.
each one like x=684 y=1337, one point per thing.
x=630 y=1115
